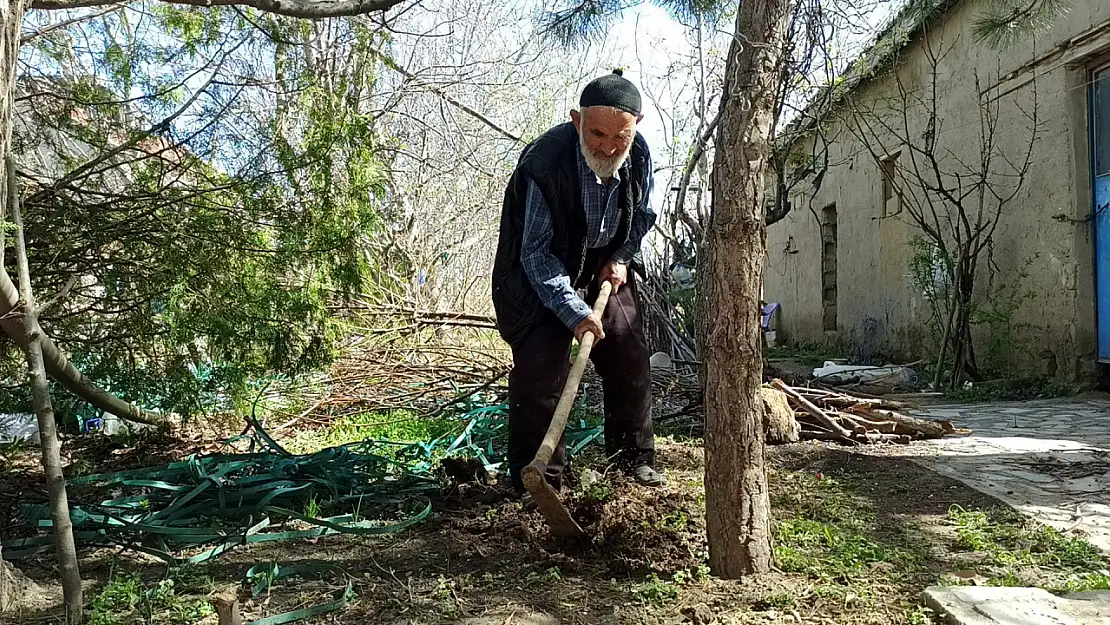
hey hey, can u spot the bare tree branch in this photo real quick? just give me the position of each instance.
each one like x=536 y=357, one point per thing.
x=60 y=25
x=293 y=8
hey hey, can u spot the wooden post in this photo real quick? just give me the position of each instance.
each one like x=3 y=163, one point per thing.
x=227 y=607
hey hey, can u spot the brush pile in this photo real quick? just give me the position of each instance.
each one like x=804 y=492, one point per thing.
x=829 y=415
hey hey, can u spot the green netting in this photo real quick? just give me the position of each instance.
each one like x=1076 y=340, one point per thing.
x=196 y=509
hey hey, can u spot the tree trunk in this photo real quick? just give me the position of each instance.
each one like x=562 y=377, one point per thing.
x=5 y=592
x=737 y=505
x=12 y=14
x=48 y=432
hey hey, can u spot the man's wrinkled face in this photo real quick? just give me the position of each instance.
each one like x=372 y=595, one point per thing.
x=605 y=135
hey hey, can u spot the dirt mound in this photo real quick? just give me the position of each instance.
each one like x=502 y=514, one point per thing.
x=639 y=530
x=19 y=592
x=630 y=530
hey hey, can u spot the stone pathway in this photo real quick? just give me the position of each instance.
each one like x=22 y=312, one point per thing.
x=983 y=605
x=1048 y=458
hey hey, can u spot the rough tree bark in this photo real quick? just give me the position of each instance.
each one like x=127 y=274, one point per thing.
x=48 y=431
x=737 y=505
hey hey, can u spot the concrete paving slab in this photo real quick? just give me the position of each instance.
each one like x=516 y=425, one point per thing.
x=1049 y=459
x=989 y=605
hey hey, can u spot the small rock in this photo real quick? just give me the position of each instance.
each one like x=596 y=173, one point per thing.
x=698 y=614
x=589 y=478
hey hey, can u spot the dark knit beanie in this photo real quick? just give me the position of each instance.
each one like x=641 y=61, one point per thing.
x=612 y=90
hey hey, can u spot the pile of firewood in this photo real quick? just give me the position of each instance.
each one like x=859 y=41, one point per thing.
x=815 y=414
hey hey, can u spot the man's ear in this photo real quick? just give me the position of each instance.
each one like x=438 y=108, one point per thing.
x=576 y=118
x=639 y=118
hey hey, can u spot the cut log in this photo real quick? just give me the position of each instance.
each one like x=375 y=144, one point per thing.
x=918 y=428
x=881 y=427
x=900 y=439
x=842 y=400
x=810 y=408
x=782 y=427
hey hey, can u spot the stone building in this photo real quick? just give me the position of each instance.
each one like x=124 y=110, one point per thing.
x=925 y=104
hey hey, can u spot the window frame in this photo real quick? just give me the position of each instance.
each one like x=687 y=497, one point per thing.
x=1099 y=77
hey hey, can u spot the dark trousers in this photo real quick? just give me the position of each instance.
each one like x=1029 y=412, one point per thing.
x=541 y=364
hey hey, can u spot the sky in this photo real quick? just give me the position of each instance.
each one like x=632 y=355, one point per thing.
x=661 y=40
x=646 y=40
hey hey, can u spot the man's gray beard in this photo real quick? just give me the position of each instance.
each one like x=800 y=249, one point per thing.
x=603 y=167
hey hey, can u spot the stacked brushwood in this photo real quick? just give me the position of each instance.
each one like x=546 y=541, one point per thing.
x=829 y=415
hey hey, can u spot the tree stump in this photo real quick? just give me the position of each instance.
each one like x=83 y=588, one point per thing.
x=226 y=604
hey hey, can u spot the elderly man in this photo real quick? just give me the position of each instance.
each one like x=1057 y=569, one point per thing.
x=575 y=212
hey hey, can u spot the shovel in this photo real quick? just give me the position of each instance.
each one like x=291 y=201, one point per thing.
x=547 y=500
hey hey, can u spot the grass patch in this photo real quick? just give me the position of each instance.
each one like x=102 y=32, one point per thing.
x=831 y=534
x=126 y=600
x=391 y=425
x=811 y=354
x=829 y=550
x=1017 y=389
x=1019 y=552
x=865 y=535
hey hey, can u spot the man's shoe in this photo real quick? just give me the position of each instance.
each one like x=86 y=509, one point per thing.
x=647 y=476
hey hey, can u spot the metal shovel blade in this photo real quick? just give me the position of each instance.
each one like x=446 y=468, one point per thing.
x=547 y=500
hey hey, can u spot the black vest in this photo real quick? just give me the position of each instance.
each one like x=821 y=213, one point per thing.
x=552 y=162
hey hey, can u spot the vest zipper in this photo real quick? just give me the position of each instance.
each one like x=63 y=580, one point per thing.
x=581 y=263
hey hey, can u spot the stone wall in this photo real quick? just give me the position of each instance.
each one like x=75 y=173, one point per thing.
x=1041 y=255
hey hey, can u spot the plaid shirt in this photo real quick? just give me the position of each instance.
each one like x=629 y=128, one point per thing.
x=545 y=272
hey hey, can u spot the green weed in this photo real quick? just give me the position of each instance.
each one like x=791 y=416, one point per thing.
x=1020 y=552
x=656 y=591
x=126 y=600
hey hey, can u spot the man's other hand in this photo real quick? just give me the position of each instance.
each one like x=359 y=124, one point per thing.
x=614 y=272
x=589 y=324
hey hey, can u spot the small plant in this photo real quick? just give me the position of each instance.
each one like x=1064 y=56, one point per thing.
x=311 y=507
x=656 y=591
x=119 y=597
x=599 y=491
x=124 y=601
x=1016 y=547
x=675 y=521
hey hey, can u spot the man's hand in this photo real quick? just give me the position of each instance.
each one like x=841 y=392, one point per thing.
x=614 y=272
x=589 y=324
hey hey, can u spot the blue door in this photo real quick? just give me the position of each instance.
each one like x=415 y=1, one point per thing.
x=1100 y=167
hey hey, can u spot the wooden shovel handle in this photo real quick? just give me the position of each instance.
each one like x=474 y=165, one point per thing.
x=570 y=390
